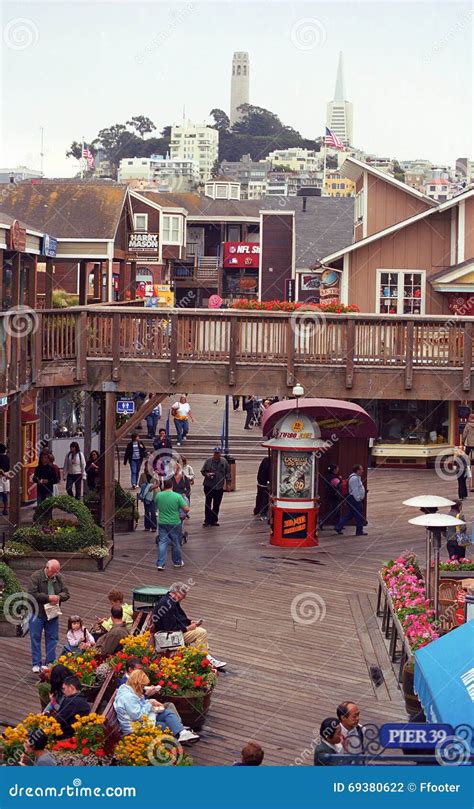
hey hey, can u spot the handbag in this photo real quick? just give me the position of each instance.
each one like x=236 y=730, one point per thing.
x=462 y=537
x=52 y=611
x=169 y=640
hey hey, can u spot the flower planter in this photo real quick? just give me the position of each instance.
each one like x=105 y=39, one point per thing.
x=124 y=526
x=412 y=703
x=193 y=709
x=74 y=560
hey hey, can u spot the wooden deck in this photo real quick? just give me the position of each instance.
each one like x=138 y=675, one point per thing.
x=284 y=676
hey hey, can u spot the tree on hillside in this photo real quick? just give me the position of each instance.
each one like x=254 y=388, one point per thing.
x=75 y=150
x=141 y=124
x=221 y=120
x=216 y=169
x=398 y=172
x=281 y=167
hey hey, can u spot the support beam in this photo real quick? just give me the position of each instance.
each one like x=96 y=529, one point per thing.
x=31 y=281
x=140 y=414
x=83 y=283
x=133 y=280
x=87 y=424
x=49 y=284
x=14 y=449
x=122 y=286
x=409 y=355
x=350 y=350
x=107 y=456
x=97 y=282
x=16 y=280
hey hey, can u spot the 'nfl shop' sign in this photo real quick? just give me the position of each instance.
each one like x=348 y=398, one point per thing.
x=143 y=244
x=241 y=254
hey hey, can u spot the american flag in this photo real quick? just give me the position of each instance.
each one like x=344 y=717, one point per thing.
x=332 y=139
x=86 y=152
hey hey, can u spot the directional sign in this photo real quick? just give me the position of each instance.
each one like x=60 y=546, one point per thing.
x=125 y=407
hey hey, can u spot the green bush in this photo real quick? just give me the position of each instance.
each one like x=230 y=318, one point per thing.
x=43 y=537
x=11 y=585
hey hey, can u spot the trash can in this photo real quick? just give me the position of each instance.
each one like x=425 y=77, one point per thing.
x=233 y=472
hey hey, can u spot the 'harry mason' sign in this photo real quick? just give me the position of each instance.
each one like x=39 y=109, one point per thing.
x=143 y=244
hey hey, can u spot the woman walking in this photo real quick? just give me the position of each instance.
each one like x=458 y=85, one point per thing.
x=135 y=453
x=92 y=471
x=74 y=470
x=45 y=477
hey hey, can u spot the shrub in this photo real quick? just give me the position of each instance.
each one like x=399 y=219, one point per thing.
x=11 y=586
x=60 y=535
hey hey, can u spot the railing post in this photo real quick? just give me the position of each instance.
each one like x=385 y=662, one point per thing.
x=174 y=349
x=115 y=346
x=81 y=347
x=467 y=357
x=350 y=349
x=37 y=349
x=232 y=351
x=290 y=352
x=409 y=347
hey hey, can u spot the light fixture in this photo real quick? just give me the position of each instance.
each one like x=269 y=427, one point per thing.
x=428 y=501
x=298 y=391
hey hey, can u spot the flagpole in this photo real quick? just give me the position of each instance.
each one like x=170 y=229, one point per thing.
x=82 y=158
x=323 y=189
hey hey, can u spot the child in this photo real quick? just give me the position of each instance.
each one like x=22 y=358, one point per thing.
x=78 y=637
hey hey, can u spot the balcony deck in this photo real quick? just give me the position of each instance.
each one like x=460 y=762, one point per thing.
x=229 y=351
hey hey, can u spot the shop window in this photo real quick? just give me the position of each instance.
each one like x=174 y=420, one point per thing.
x=412 y=422
x=172 y=229
x=401 y=292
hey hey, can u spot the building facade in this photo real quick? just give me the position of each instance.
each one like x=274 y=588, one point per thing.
x=296 y=159
x=239 y=85
x=336 y=185
x=198 y=143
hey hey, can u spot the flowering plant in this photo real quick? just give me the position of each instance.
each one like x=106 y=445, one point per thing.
x=406 y=589
x=83 y=665
x=137 y=645
x=147 y=745
x=254 y=305
x=188 y=673
x=89 y=736
x=457 y=564
x=12 y=740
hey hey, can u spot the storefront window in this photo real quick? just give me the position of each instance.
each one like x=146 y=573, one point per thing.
x=401 y=293
x=410 y=422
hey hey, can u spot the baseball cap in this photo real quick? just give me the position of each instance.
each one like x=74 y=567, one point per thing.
x=217 y=449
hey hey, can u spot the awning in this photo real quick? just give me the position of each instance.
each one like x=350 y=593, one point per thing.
x=444 y=677
x=336 y=418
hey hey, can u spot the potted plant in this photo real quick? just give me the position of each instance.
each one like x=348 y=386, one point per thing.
x=126 y=511
x=187 y=680
x=12 y=740
x=149 y=746
x=13 y=602
x=84 y=666
x=87 y=746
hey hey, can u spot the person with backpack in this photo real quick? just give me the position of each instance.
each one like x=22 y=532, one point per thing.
x=354 y=500
x=74 y=470
x=146 y=494
x=335 y=495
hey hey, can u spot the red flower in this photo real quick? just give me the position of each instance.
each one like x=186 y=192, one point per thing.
x=85 y=751
x=205 y=663
x=145 y=660
x=161 y=682
x=174 y=687
x=100 y=753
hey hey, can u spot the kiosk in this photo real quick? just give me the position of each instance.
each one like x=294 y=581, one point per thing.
x=301 y=435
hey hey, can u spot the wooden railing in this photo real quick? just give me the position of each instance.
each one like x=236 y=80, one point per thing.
x=306 y=339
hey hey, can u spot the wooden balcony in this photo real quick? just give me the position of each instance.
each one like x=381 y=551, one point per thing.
x=340 y=356
x=197 y=271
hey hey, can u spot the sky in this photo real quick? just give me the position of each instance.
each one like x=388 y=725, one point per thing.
x=73 y=68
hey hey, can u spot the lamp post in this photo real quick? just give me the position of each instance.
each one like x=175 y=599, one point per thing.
x=435 y=523
x=298 y=392
x=428 y=504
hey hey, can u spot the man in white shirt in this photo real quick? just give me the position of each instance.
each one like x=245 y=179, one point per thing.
x=352 y=732
x=181 y=412
x=354 y=502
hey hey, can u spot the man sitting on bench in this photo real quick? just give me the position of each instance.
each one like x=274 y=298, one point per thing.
x=109 y=643
x=169 y=616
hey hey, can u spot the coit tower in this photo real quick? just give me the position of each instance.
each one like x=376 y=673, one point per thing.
x=239 y=85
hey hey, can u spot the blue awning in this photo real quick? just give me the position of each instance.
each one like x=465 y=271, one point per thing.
x=444 y=677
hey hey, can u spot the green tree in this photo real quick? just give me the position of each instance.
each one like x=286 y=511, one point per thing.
x=221 y=120
x=282 y=167
x=398 y=172
x=75 y=150
x=141 y=124
x=216 y=169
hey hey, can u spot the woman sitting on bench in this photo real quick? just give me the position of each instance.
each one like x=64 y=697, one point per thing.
x=131 y=704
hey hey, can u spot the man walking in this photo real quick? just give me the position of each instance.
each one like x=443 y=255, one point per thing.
x=216 y=474
x=168 y=504
x=181 y=412
x=48 y=591
x=352 y=732
x=354 y=502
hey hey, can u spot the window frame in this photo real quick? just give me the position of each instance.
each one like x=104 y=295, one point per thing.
x=167 y=225
x=135 y=223
x=400 y=287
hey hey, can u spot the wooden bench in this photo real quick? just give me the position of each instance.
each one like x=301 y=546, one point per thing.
x=113 y=733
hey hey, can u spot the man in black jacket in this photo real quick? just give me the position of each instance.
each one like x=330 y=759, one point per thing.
x=72 y=705
x=169 y=616
x=216 y=474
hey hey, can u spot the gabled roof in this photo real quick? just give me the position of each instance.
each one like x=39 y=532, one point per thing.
x=87 y=209
x=439 y=208
x=202 y=207
x=453 y=276
x=354 y=168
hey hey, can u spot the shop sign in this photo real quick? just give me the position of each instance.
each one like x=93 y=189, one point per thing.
x=49 y=246
x=17 y=237
x=325 y=285
x=241 y=254
x=143 y=244
x=295 y=524
x=295 y=475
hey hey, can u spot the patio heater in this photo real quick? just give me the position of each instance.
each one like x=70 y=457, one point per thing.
x=428 y=504
x=435 y=523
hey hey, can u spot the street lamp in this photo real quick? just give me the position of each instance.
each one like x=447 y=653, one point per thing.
x=435 y=523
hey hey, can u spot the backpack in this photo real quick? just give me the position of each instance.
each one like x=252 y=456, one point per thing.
x=345 y=487
x=143 y=493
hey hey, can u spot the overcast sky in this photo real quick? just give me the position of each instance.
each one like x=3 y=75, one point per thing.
x=75 y=67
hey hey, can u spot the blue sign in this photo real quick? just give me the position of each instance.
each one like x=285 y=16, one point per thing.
x=49 y=246
x=3 y=401
x=125 y=407
x=413 y=735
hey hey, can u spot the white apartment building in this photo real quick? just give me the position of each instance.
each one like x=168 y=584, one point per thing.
x=196 y=142
x=295 y=158
x=256 y=189
x=177 y=174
